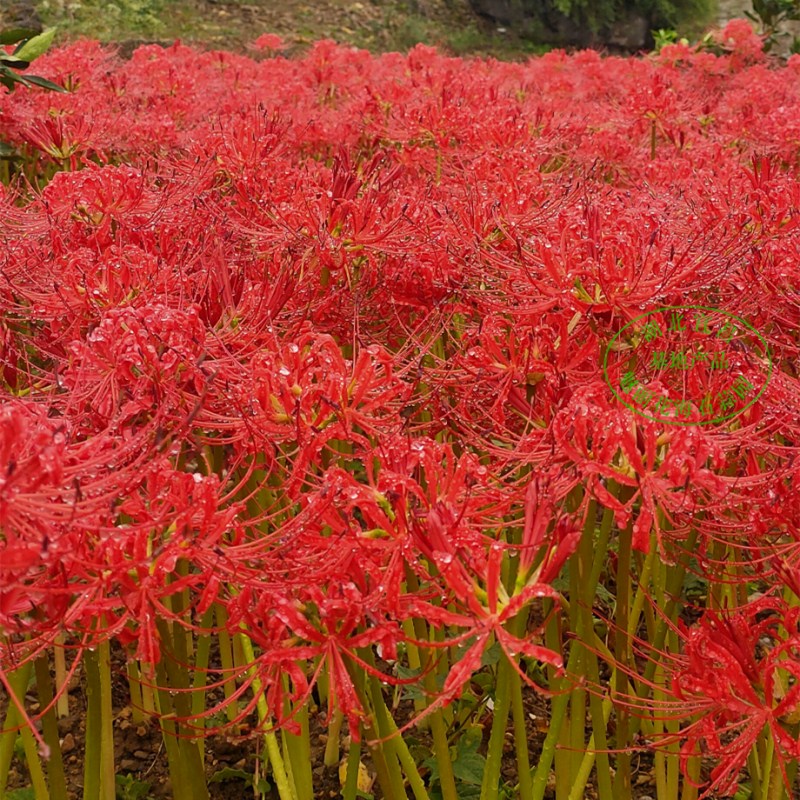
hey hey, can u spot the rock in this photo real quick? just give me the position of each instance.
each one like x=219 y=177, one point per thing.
x=543 y=23
x=629 y=34
x=141 y=755
x=65 y=725
x=128 y=46
x=20 y=14
x=67 y=744
x=128 y=765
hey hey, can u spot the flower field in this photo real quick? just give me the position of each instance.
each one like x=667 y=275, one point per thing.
x=351 y=404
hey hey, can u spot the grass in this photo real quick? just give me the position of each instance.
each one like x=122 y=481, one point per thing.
x=374 y=26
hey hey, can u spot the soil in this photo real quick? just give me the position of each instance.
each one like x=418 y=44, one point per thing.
x=376 y=25
x=140 y=757
x=141 y=760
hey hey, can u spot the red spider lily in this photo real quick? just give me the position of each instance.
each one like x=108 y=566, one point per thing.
x=542 y=499
x=269 y=41
x=484 y=615
x=314 y=623
x=741 y=691
x=335 y=328
x=610 y=447
x=737 y=673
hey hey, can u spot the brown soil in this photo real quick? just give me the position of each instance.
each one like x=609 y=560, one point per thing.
x=140 y=755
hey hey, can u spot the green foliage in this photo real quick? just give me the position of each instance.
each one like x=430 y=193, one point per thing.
x=597 y=14
x=468 y=765
x=665 y=36
x=771 y=15
x=229 y=774
x=129 y=788
x=29 y=46
x=21 y=794
x=104 y=20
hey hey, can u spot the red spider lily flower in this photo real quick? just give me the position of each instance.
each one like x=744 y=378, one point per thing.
x=303 y=394
x=269 y=41
x=313 y=622
x=136 y=359
x=608 y=444
x=483 y=614
x=745 y=46
x=738 y=672
x=542 y=498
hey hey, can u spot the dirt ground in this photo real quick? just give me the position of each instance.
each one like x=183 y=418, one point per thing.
x=376 y=25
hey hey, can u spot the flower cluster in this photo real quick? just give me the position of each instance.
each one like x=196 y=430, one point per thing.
x=308 y=356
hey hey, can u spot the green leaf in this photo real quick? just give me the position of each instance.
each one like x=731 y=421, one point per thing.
x=36 y=46
x=465 y=792
x=485 y=681
x=470 y=739
x=409 y=691
x=230 y=774
x=14 y=35
x=8 y=77
x=37 y=80
x=491 y=655
x=13 y=61
x=128 y=788
x=469 y=765
x=22 y=794
x=469 y=768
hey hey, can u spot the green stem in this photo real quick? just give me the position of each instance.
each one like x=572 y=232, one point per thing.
x=298 y=747
x=93 y=786
x=382 y=768
x=414 y=661
x=520 y=738
x=202 y=654
x=169 y=732
x=586 y=568
x=226 y=659
x=349 y=792
x=174 y=659
x=332 y=745
x=59 y=662
x=769 y=766
x=285 y=789
x=490 y=787
x=135 y=691
x=754 y=768
x=406 y=759
x=388 y=747
x=35 y=769
x=109 y=788
x=622 y=779
x=441 y=746
x=18 y=682
x=585 y=769
x=55 y=764
x=558 y=711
